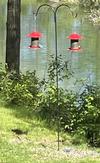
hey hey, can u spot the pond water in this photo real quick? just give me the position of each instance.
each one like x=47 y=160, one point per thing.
x=85 y=64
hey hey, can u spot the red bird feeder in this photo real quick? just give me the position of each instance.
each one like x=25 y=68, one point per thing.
x=34 y=39
x=74 y=42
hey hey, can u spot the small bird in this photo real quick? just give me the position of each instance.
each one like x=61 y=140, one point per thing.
x=19 y=131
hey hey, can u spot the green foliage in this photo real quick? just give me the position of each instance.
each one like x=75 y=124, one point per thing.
x=77 y=113
x=19 y=89
x=51 y=99
x=79 y=137
x=90 y=114
x=90 y=3
x=61 y=68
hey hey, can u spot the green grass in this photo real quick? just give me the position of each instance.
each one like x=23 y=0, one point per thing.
x=39 y=145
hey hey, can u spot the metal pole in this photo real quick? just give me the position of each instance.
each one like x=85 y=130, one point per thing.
x=56 y=60
x=57 y=79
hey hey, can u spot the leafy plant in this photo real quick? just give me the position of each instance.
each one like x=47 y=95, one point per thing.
x=19 y=89
x=90 y=3
x=76 y=113
x=90 y=114
x=59 y=67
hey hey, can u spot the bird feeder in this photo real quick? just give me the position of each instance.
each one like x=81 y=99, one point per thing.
x=75 y=42
x=34 y=39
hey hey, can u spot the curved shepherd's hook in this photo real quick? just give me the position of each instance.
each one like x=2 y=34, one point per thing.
x=62 y=5
x=56 y=54
x=43 y=6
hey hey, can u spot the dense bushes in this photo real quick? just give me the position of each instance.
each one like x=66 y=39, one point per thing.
x=90 y=121
x=90 y=3
x=19 y=89
x=78 y=112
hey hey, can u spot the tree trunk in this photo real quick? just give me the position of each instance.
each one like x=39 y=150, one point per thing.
x=13 y=35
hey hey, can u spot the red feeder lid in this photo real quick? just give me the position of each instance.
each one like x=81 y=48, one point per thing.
x=34 y=35
x=75 y=36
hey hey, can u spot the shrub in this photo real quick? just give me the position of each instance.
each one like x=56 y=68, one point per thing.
x=78 y=113
x=19 y=89
x=90 y=114
x=75 y=112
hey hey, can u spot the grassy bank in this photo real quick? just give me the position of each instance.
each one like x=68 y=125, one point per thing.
x=37 y=143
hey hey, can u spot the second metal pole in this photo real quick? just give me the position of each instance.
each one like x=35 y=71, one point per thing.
x=56 y=60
